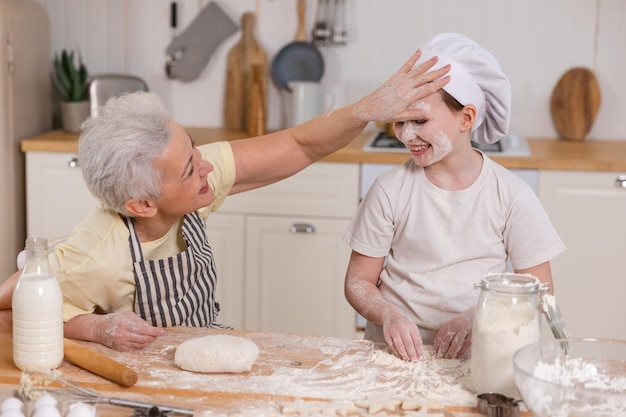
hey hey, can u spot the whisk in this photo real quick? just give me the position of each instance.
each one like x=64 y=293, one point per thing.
x=33 y=385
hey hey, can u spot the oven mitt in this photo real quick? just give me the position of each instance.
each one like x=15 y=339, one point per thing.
x=193 y=48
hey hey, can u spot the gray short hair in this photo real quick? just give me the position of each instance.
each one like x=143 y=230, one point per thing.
x=117 y=149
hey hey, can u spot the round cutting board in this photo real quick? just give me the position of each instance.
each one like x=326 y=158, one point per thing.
x=575 y=103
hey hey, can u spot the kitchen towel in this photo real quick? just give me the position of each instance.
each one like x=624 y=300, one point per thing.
x=194 y=47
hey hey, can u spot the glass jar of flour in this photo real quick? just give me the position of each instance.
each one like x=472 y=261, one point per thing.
x=507 y=318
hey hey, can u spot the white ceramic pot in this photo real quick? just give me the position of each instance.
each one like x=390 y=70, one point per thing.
x=306 y=100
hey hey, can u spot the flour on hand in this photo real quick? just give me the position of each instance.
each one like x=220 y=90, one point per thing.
x=217 y=353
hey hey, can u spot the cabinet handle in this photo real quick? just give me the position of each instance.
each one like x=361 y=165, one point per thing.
x=302 y=228
x=620 y=181
x=73 y=162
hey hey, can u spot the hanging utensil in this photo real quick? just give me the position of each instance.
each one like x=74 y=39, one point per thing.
x=170 y=65
x=299 y=60
x=321 y=30
x=339 y=29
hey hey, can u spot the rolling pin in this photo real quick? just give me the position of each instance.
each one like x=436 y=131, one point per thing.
x=98 y=364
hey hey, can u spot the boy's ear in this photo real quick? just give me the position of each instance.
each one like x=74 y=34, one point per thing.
x=141 y=208
x=468 y=117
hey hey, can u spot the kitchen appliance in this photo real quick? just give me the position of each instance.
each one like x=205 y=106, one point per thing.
x=25 y=111
x=512 y=145
x=104 y=86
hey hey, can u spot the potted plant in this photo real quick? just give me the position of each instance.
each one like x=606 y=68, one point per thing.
x=71 y=81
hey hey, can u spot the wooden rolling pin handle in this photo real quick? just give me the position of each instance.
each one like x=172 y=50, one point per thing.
x=99 y=364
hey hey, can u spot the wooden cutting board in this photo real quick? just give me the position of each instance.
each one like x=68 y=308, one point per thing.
x=241 y=59
x=575 y=103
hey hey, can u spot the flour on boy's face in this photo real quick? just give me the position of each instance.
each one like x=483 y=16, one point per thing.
x=426 y=137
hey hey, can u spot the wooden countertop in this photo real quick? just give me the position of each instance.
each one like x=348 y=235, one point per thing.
x=299 y=371
x=546 y=153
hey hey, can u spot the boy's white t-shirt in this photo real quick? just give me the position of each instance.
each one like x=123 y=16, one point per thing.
x=439 y=243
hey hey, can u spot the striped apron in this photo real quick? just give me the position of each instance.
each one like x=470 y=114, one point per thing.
x=180 y=290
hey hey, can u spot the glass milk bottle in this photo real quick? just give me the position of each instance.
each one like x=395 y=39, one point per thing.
x=507 y=318
x=37 y=312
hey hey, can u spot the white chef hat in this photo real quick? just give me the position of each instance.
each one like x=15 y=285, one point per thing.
x=475 y=78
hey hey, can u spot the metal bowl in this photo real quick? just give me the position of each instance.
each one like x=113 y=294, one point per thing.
x=588 y=381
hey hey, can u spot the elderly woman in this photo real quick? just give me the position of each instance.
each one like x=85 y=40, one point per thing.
x=142 y=261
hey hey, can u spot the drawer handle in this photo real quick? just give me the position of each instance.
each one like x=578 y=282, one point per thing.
x=620 y=181
x=73 y=162
x=302 y=228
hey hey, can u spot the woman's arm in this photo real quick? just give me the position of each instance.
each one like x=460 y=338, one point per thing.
x=265 y=159
x=119 y=331
x=6 y=291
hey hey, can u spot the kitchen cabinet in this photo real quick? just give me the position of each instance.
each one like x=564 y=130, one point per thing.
x=226 y=234
x=280 y=257
x=56 y=195
x=588 y=211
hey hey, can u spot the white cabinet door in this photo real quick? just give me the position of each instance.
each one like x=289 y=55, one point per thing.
x=57 y=198
x=588 y=210
x=226 y=237
x=295 y=274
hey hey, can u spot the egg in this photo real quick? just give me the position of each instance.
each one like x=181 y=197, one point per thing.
x=45 y=400
x=81 y=409
x=46 y=411
x=12 y=403
x=12 y=413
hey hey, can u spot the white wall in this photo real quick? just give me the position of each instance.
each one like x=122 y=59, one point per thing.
x=536 y=41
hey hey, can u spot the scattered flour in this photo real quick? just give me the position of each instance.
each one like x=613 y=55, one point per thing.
x=348 y=374
x=332 y=373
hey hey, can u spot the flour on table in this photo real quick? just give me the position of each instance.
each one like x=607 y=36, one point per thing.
x=217 y=353
x=350 y=371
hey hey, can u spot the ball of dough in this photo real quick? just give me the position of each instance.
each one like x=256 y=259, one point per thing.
x=217 y=353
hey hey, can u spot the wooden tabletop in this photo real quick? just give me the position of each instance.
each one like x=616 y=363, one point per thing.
x=546 y=153
x=298 y=371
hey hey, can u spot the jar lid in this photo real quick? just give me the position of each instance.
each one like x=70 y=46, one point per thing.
x=511 y=283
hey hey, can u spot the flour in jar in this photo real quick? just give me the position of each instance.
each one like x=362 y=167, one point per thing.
x=499 y=331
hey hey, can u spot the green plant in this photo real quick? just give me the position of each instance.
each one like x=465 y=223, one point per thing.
x=70 y=80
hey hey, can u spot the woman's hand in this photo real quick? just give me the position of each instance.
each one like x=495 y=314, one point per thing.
x=454 y=339
x=394 y=99
x=402 y=336
x=119 y=331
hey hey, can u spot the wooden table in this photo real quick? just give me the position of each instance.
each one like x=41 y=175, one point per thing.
x=299 y=371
